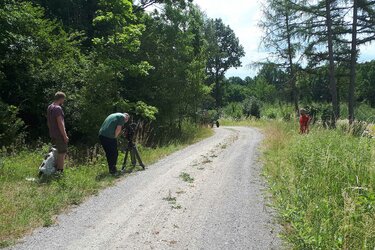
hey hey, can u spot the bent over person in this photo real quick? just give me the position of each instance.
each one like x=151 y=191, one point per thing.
x=108 y=134
x=56 y=126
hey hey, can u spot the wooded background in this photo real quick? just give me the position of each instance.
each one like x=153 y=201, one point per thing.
x=167 y=66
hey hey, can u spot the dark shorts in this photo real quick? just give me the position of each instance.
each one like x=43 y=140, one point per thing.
x=60 y=145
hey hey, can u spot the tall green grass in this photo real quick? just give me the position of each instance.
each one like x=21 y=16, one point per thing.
x=26 y=204
x=323 y=186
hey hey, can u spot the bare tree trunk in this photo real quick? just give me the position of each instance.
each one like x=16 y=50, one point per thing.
x=332 y=70
x=291 y=68
x=353 y=63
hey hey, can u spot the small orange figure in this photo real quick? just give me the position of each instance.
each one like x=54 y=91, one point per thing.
x=304 y=121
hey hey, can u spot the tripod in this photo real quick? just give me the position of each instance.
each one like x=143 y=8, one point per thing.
x=134 y=156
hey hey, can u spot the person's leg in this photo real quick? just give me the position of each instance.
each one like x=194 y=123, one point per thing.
x=62 y=148
x=60 y=161
x=110 y=149
x=113 y=156
x=105 y=143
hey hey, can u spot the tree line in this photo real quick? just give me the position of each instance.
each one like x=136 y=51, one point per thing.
x=321 y=39
x=163 y=66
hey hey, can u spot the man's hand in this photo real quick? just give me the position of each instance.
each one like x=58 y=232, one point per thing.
x=61 y=125
x=118 y=131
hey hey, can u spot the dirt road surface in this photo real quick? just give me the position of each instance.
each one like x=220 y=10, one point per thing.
x=219 y=204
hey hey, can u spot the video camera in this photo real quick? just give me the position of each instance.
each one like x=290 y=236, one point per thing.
x=130 y=131
x=131 y=149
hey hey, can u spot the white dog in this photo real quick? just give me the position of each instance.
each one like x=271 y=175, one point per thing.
x=48 y=166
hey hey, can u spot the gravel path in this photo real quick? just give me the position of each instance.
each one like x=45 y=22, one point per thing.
x=222 y=208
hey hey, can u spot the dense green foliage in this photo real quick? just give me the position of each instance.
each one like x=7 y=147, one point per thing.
x=110 y=56
x=271 y=88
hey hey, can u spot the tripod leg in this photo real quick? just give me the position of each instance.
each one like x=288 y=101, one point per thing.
x=125 y=159
x=132 y=156
x=139 y=158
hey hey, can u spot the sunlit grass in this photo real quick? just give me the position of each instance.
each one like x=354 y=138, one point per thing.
x=323 y=185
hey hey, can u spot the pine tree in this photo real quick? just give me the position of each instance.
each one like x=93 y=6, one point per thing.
x=362 y=31
x=279 y=25
x=323 y=27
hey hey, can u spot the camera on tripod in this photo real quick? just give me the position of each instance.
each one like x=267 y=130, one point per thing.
x=131 y=148
x=130 y=132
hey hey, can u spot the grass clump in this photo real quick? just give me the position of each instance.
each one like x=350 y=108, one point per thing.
x=186 y=177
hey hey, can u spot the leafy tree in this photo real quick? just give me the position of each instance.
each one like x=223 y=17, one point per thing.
x=117 y=34
x=174 y=45
x=37 y=58
x=75 y=15
x=143 y=4
x=224 y=52
x=264 y=91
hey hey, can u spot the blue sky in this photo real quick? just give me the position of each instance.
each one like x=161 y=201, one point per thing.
x=243 y=17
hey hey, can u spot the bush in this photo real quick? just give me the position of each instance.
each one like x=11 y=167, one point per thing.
x=358 y=128
x=234 y=110
x=270 y=113
x=11 y=127
x=327 y=117
x=251 y=107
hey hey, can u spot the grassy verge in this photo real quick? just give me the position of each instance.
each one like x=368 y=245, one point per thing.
x=25 y=205
x=323 y=186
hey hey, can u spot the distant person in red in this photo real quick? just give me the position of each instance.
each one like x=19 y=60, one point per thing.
x=304 y=121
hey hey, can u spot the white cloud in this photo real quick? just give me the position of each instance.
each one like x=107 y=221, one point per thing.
x=367 y=52
x=243 y=17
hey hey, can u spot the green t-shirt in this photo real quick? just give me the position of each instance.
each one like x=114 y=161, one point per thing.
x=110 y=124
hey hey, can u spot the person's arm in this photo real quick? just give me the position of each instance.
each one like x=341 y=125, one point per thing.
x=61 y=126
x=118 y=131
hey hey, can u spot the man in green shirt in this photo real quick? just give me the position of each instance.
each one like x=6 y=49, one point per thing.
x=108 y=133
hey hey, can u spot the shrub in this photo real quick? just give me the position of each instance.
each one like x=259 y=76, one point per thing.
x=251 y=107
x=358 y=128
x=234 y=110
x=327 y=117
x=270 y=113
x=11 y=126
